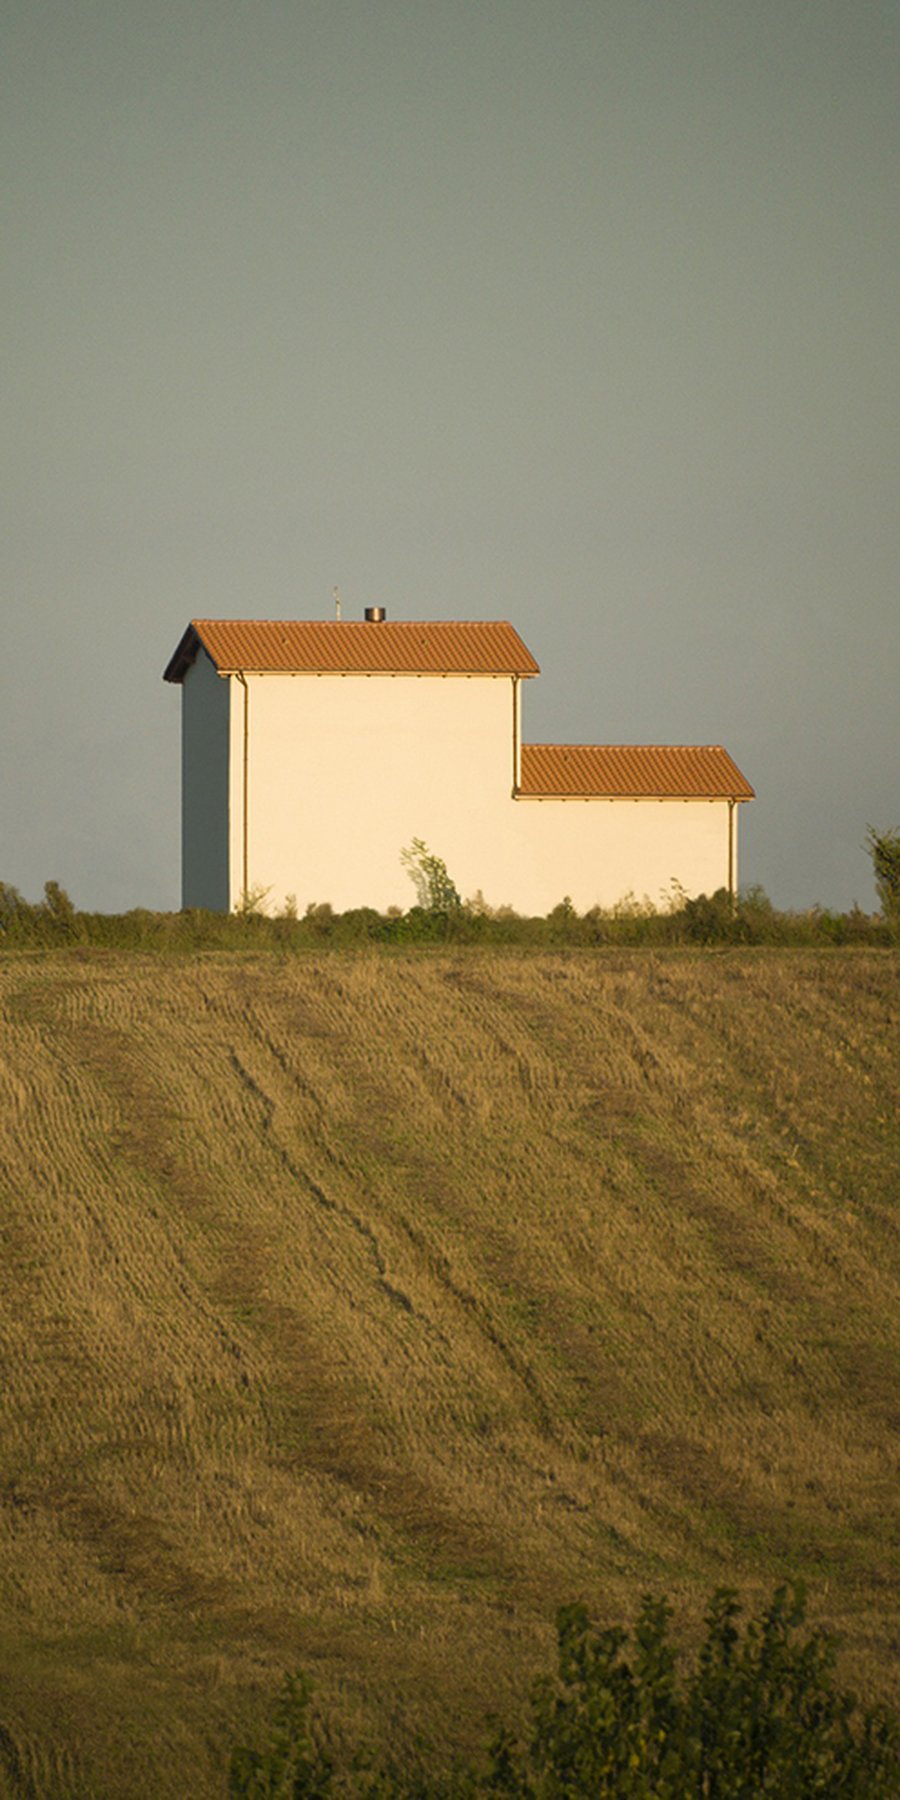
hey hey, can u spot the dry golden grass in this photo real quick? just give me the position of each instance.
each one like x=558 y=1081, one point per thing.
x=358 y=1309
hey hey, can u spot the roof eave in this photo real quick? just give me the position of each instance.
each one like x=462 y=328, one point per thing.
x=597 y=794
x=183 y=657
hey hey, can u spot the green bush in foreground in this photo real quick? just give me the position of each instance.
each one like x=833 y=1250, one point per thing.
x=755 y=1715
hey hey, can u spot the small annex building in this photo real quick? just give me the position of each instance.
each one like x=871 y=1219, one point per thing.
x=313 y=753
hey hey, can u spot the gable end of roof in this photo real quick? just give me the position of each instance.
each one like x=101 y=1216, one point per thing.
x=183 y=656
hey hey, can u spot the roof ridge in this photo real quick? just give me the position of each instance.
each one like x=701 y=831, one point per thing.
x=362 y=624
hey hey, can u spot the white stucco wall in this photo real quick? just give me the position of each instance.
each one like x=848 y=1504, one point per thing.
x=344 y=771
x=599 y=851
x=205 y=788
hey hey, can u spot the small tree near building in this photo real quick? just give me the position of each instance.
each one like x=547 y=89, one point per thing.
x=436 y=892
x=884 y=849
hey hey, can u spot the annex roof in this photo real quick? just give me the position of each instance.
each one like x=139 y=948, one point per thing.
x=631 y=771
x=349 y=647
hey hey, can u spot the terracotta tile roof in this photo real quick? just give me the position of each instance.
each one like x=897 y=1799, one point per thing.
x=632 y=771
x=295 y=646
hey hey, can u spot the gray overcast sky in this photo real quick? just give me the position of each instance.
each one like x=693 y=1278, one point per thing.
x=579 y=314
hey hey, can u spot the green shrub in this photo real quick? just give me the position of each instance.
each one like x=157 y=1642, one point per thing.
x=58 y=909
x=435 y=892
x=292 y=1764
x=758 y=1716
x=16 y=916
x=704 y=920
x=362 y=924
x=753 y=1717
x=711 y=918
x=884 y=849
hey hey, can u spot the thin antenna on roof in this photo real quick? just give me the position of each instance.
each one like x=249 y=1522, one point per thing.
x=337 y=603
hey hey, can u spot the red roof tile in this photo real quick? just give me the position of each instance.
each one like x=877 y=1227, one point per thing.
x=632 y=771
x=296 y=646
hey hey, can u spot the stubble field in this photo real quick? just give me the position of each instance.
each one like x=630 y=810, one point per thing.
x=360 y=1308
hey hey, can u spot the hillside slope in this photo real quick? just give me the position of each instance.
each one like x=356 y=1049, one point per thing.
x=360 y=1308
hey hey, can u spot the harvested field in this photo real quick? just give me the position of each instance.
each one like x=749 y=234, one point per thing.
x=359 y=1308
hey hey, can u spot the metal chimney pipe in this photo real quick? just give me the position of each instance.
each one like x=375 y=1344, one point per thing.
x=375 y=615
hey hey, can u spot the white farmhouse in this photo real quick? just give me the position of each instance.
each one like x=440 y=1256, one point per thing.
x=313 y=753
